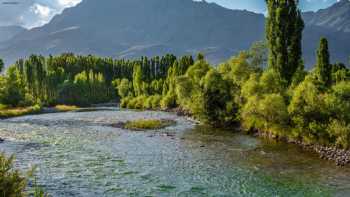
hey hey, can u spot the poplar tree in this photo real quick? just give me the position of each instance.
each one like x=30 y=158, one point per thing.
x=323 y=66
x=1 y=65
x=284 y=29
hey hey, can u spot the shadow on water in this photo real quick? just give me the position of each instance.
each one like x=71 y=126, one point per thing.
x=78 y=154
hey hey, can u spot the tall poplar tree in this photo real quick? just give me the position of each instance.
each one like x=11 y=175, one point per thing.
x=323 y=66
x=284 y=29
x=1 y=65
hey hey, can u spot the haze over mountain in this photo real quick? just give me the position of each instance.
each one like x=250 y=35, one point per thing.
x=8 y=32
x=132 y=28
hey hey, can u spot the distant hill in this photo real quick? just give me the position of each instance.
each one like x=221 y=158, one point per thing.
x=336 y=17
x=132 y=28
x=8 y=32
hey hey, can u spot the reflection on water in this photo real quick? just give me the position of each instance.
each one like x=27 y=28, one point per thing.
x=78 y=154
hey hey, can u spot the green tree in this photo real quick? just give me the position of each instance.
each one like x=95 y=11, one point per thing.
x=1 y=65
x=284 y=29
x=137 y=80
x=323 y=66
x=215 y=97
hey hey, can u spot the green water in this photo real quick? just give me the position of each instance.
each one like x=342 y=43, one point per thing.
x=80 y=154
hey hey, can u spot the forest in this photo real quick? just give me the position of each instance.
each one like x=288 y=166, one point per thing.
x=264 y=89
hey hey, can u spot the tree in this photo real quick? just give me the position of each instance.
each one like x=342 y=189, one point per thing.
x=323 y=66
x=124 y=88
x=215 y=97
x=308 y=112
x=284 y=29
x=1 y=65
x=137 y=80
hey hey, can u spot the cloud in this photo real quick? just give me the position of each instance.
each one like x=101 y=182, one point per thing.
x=68 y=3
x=32 y=13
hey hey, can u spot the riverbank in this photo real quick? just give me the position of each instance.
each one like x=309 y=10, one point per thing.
x=15 y=112
x=341 y=157
x=23 y=111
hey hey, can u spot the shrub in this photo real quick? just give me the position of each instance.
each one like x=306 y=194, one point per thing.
x=12 y=183
x=267 y=114
x=65 y=108
x=168 y=102
x=144 y=124
x=340 y=131
x=308 y=112
x=156 y=101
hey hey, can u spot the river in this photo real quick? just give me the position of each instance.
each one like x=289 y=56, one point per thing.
x=80 y=154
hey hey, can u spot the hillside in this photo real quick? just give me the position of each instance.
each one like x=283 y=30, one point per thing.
x=132 y=28
x=8 y=32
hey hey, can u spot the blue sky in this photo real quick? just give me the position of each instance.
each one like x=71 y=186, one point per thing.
x=259 y=5
x=33 y=13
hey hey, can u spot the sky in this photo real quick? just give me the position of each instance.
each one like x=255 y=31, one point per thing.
x=33 y=13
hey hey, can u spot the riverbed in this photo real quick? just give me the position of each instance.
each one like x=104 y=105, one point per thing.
x=81 y=154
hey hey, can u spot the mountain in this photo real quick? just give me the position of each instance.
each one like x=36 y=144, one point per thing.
x=8 y=32
x=332 y=23
x=336 y=17
x=132 y=28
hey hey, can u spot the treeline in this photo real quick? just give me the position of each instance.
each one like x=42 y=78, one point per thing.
x=75 y=80
x=265 y=88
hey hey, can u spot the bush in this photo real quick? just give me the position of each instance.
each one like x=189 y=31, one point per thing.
x=340 y=131
x=143 y=124
x=168 y=102
x=65 y=108
x=140 y=102
x=309 y=113
x=156 y=101
x=131 y=103
x=12 y=183
x=124 y=102
x=148 y=103
x=14 y=112
x=267 y=114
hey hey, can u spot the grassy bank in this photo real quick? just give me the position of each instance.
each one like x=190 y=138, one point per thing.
x=143 y=124
x=65 y=108
x=22 y=111
x=14 y=112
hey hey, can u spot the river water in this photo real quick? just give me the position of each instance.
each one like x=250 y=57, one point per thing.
x=80 y=154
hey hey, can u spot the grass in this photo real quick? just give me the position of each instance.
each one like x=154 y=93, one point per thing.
x=143 y=124
x=14 y=112
x=65 y=108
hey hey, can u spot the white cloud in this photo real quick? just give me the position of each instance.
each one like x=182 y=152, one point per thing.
x=41 y=10
x=33 y=13
x=68 y=3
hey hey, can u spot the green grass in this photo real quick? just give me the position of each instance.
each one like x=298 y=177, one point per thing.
x=66 y=108
x=14 y=112
x=151 y=124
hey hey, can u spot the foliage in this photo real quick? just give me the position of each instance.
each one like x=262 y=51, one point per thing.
x=323 y=66
x=13 y=112
x=143 y=124
x=266 y=87
x=284 y=29
x=13 y=182
x=65 y=108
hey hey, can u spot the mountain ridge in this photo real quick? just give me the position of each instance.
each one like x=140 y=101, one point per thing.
x=132 y=28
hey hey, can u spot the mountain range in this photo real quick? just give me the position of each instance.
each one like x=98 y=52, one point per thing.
x=133 y=28
x=8 y=32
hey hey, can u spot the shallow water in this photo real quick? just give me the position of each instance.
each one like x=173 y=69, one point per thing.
x=80 y=154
